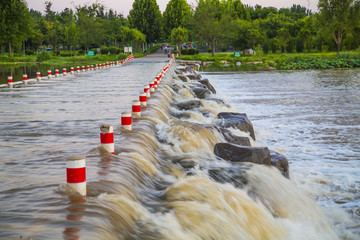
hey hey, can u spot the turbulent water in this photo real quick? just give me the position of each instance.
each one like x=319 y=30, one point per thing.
x=157 y=185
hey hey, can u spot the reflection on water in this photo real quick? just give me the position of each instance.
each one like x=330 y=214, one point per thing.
x=17 y=70
x=157 y=185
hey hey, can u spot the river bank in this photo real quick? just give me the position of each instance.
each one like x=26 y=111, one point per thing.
x=268 y=62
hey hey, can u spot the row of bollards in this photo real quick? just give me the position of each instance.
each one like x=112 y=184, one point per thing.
x=57 y=72
x=75 y=165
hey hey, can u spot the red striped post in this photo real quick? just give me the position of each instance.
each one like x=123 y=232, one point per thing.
x=126 y=120
x=83 y=68
x=147 y=90
x=72 y=70
x=104 y=65
x=152 y=87
x=76 y=173
x=10 y=82
x=64 y=71
x=49 y=74
x=78 y=69
x=155 y=84
x=97 y=66
x=88 y=68
x=57 y=74
x=92 y=67
x=136 y=109
x=38 y=76
x=25 y=79
x=107 y=64
x=107 y=138
x=142 y=98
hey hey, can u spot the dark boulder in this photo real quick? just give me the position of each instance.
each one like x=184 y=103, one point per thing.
x=194 y=77
x=236 y=120
x=187 y=105
x=182 y=78
x=231 y=138
x=280 y=162
x=234 y=174
x=236 y=153
x=208 y=85
x=201 y=92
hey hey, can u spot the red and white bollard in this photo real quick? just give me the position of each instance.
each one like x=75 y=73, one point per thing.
x=78 y=69
x=64 y=71
x=38 y=76
x=92 y=67
x=107 y=64
x=72 y=71
x=76 y=173
x=136 y=109
x=142 y=98
x=97 y=66
x=49 y=74
x=126 y=120
x=10 y=82
x=152 y=87
x=88 y=68
x=57 y=74
x=147 y=90
x=155 y=84
x=83 y=68
x=107 y=138
x=25 y=79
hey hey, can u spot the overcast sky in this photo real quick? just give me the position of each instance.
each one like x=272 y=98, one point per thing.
x=124 y=6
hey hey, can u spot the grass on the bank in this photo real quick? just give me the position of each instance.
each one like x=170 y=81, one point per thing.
x=50 y=59
x=280 y=61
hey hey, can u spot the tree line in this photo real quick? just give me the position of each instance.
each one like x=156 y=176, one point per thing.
x=212 y=24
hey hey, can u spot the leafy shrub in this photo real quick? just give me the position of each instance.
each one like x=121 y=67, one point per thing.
x=81 y=52
x=66 y=54
x=209 y=50
x=104 y=50
x=29 y=52
x=114 y=50
x=43 y=56
x=56 y=52
x=193 y=51
x=223 y=49
x=122 y=56
x=184 y=51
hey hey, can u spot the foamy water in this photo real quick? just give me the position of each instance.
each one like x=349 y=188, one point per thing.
x=143 y=192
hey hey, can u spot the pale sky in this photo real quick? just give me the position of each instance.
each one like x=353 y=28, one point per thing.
x=124 y=6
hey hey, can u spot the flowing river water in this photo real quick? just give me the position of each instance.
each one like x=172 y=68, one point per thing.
x=145 y=192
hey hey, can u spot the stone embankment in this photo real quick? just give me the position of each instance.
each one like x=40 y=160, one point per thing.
x=236 y=149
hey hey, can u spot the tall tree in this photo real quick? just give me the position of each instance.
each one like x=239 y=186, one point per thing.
x=146 y=17
x=14 y=22
x=336 y=18
x=211 y=22
x=236 y=9
x=178 y=36
x=177 y=14
x=90 y=30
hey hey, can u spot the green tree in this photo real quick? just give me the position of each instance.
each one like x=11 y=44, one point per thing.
x=177 y=14
x=14 y=22
x=71 y=35
x=90 y=28
x=146 y=17
x=282 y=38
x=210 y=22
x=336 y=17
x=236 y=9
x=178 y=36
